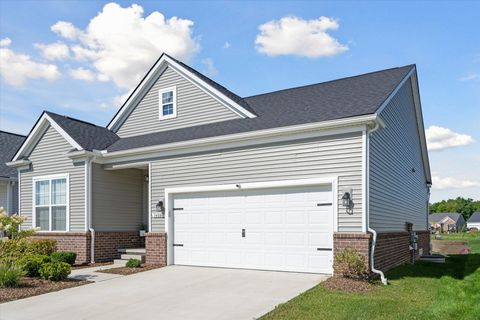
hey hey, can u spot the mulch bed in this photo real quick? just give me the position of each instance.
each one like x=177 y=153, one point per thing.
x=126 y=271
x=348 y=285
x=34 y=286
x=90 y=265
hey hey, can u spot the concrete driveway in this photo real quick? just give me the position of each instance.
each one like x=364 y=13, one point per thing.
x=174 y=292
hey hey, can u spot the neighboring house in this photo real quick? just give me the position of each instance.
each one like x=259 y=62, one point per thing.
x=446 y=221
x=9 y=144
x=474 y=221
x=255 y=182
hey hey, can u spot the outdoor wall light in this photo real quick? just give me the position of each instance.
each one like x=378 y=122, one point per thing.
x=347 y=200
x=160 y=207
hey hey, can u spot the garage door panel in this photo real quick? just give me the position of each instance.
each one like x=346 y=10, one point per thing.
x=283 y=228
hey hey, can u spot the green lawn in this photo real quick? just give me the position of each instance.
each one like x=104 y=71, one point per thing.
x=473 y=238
x=421 y=291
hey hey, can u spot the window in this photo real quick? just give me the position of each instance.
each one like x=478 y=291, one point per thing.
x=168 y=103
x=51 y=203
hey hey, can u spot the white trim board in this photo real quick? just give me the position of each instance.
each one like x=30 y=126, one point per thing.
x=169 y=192
x=162 y=63
x=38 y=131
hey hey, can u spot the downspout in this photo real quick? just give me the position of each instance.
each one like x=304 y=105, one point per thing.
x=88 y=166
x=374 y=241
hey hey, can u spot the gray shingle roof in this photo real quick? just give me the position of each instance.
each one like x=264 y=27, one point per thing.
x=343 y=98
x=475 y=217
x=9 y=144
x=87 y=135
x=437 y=217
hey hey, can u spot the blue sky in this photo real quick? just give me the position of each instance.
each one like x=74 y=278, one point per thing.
x=219 y=39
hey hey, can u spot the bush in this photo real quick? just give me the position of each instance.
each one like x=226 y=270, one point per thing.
x=10 y=226
x=133 y=263
x=349 y=263
x=10 y=274
x=67 y=256
x=32 y=264
x=55 y=271
x=43 y=247
x=16 y=249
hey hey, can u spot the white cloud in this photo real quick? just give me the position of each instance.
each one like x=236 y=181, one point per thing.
x=5 y=42
x=120 y=44
x=210 y=67
x=16 y=68
x=470 y=77
x=295 y=36
x=66 y=30
x=452 y=183
x=226 y=45
x=439 y=138
x=82 y=74
x=53 y=51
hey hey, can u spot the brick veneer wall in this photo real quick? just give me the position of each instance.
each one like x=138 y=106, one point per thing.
x=78 y=242
x=359 y=241
x=392 y=249
x=108 y=242
x=156 y=246
x=423 y=241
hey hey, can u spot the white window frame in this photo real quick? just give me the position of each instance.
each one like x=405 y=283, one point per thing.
x=160 y=103
x=67 y=201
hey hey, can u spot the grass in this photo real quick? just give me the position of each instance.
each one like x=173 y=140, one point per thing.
x=473 y=239
x=421 y=291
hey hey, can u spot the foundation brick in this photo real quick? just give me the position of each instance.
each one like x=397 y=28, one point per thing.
x=156 y=246
x=78 y=242
x=107 y=243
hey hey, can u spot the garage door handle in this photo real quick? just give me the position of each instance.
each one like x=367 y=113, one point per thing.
x=324 y=204
x=324 y=249
x=178 y=245
x=243 y=233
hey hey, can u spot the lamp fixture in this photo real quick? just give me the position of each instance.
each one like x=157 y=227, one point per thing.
x=347 y=200
x=160 y=207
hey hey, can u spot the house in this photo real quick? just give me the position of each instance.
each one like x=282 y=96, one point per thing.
x=275 y=181
x=9 y=144
x=474 y=221
x=446 y=221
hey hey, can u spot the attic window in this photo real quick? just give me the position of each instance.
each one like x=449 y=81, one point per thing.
x=167 y=103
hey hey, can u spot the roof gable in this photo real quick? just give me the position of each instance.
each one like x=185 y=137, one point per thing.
x=224 y=96
x=475 y=217
x=193 y=107
x=79 y=134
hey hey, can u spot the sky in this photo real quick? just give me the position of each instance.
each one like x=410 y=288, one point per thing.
x=81 y=59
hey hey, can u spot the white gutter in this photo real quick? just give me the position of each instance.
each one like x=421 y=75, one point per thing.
x=374 y=240
x=361 y=120
x=88 y=205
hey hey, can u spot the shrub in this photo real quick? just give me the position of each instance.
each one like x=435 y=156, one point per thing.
x=349 y=263
x=55 y=271
x=16 y=249
x=473 y=230
x=10 y=225
x=32 y=264
x=67 y=256
x=41 y=246
x=133 y=263
x=10 y=274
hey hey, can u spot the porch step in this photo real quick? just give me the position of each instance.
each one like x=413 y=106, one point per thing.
x=133 y=250
x=140 y=257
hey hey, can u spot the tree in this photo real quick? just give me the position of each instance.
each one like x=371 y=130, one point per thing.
x=459 y=205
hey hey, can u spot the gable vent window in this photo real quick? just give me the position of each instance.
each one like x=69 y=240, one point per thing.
x=168 y=103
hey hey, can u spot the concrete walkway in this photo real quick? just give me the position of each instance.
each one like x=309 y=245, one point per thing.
x=174 y=292
x=90 y=274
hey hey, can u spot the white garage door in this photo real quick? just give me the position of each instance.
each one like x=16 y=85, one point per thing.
x=286 y=229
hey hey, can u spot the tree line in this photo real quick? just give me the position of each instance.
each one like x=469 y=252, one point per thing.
x=466 y=207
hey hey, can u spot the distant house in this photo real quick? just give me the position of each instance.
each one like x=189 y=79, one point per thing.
x=474 y=221
x=9 y=144
x=446 y=221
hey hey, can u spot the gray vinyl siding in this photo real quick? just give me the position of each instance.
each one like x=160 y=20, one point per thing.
x=14 y=197
x=323 y=157
x=116 y=199
x=397 y=195
x=48 y=158
x=194 y=107
x=3 y=195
